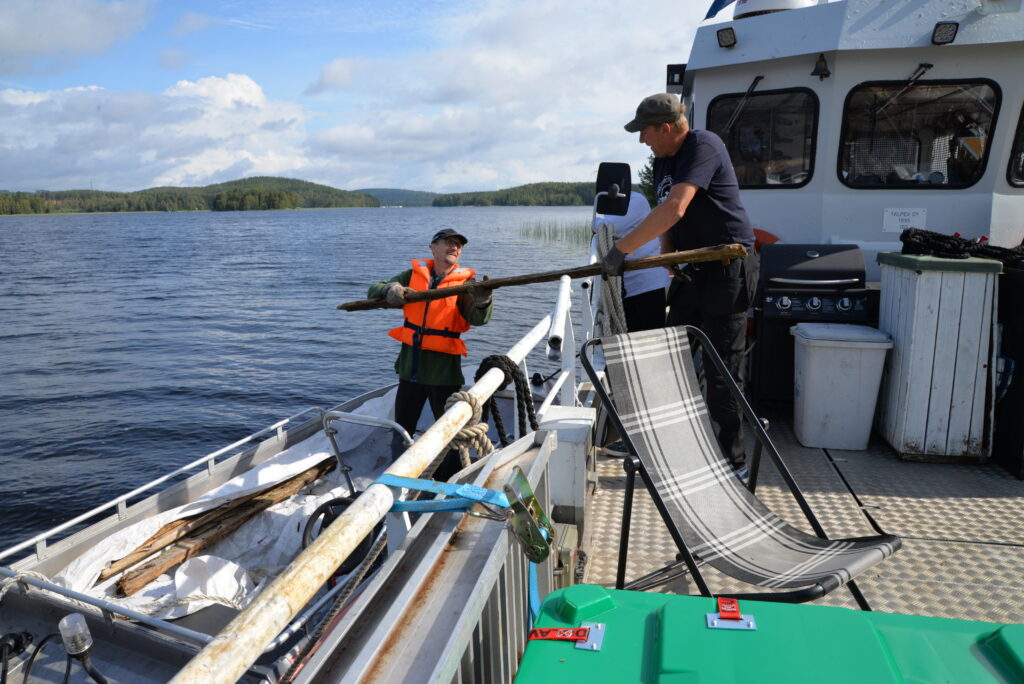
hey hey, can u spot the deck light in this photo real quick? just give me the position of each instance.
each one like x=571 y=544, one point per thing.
x=944 y=32
x=821 y=68
x=726 y=37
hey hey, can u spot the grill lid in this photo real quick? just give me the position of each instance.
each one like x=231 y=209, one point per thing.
x=808 y=265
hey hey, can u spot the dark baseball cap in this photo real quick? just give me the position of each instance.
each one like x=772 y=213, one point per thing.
x=656 y=109
x=448 y=233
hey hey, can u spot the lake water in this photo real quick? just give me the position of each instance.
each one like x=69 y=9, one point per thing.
x=132 y=344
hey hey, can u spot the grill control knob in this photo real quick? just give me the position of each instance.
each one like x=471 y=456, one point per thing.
x=844 y=304
x=814 y=303
x=783 y=303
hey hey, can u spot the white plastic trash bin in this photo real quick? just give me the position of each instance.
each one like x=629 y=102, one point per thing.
x=837 y=371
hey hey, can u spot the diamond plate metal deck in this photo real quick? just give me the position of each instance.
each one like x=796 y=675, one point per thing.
x=963 y=538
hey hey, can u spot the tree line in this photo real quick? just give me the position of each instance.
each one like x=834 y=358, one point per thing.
x=545 y=194
x=530 y=195
x=247 y=194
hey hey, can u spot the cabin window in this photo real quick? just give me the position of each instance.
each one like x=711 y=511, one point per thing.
x=1015 y=174
x=926 y=134
x=769 y=134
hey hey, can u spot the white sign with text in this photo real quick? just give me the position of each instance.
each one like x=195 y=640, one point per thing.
x=898 y=220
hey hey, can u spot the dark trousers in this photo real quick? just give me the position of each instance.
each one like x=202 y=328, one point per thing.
x=715 y=299
x=645 y=311
x=409 y=403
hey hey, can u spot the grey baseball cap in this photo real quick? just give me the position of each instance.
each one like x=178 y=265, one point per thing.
x=448 y=233
x=655 y=109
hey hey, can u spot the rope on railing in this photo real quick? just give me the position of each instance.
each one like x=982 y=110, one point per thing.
x=611 y=288
x=473 y=434
x=524 y=395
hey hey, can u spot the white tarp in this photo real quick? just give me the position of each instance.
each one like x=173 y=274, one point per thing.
x=233 y=568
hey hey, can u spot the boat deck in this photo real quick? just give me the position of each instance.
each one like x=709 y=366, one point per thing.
x=961 y=525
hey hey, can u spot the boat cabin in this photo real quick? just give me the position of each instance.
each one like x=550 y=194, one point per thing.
x=853 y=120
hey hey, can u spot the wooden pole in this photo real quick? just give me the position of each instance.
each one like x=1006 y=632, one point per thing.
x=717 y=253
x=172 y=532
x=192 y=545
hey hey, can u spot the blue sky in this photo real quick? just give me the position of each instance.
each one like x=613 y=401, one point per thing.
x=427 y=95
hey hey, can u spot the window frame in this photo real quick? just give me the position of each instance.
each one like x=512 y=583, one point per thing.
x=928 y=82
x=1016 y=146
x=812 y=153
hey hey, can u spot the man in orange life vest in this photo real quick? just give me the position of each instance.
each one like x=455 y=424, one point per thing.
x=429 y=364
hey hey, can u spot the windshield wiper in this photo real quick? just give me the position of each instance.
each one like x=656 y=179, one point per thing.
x=739 y=107
x=920 y=71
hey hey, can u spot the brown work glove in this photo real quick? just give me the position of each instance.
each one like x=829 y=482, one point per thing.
x=614 y=263
x=480 y=296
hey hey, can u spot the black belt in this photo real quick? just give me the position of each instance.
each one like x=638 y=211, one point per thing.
x=418 y=332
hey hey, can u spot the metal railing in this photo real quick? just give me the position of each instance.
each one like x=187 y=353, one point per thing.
x=456 y=599
x=242 y=641
x=490 y=637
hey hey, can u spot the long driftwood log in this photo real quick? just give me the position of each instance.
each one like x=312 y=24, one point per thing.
x=172 y=532
x=717 y=253
x=218 y=528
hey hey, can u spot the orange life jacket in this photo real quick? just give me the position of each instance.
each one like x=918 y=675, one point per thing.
x=436 y=325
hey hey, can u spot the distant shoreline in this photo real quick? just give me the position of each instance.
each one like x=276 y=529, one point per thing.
x=243 y=211
x=265 y=193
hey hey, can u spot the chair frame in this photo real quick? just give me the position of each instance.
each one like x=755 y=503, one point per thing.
x=633 y=466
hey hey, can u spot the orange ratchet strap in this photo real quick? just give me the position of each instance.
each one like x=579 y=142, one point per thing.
x=729 y=609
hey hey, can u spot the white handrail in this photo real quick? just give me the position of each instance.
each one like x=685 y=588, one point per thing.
x=241 y=642
x=561 y=312
x=568 y=393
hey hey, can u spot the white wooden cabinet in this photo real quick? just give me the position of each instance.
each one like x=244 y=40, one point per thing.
x=936 y=398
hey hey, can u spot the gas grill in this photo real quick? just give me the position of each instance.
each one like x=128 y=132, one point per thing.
x=803 y=283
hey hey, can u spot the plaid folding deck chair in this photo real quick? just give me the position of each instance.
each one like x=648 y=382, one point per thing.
x=658 y=409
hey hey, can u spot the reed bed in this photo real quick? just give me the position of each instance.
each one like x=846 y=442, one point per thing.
x=572 y=233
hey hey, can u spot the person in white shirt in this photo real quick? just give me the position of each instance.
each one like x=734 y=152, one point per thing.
x=643 y=290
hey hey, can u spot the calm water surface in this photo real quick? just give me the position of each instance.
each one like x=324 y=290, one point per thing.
x=132 y=344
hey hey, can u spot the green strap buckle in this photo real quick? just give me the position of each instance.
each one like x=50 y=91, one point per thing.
x=526 y=518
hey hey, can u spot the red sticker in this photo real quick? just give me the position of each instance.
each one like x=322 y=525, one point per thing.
x=560 y=634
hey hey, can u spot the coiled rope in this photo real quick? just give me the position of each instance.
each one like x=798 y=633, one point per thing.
x=611 y=288
x=524 y=397
x=473 y=434
x=927 y=243
x=7 y=583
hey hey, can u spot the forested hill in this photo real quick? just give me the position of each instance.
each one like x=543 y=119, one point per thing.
x=531 y=195
x=392 y=197
x=259 y=192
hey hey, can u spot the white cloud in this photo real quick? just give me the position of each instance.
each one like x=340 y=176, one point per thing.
x=35 y=35
x=507 y=93
x=192 y=134
x=337 y=75
x=514 y=92
x=236 y=90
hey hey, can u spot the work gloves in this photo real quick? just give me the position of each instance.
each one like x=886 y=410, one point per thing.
x=480 y=296
x=394 y=294
x=614 y=263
